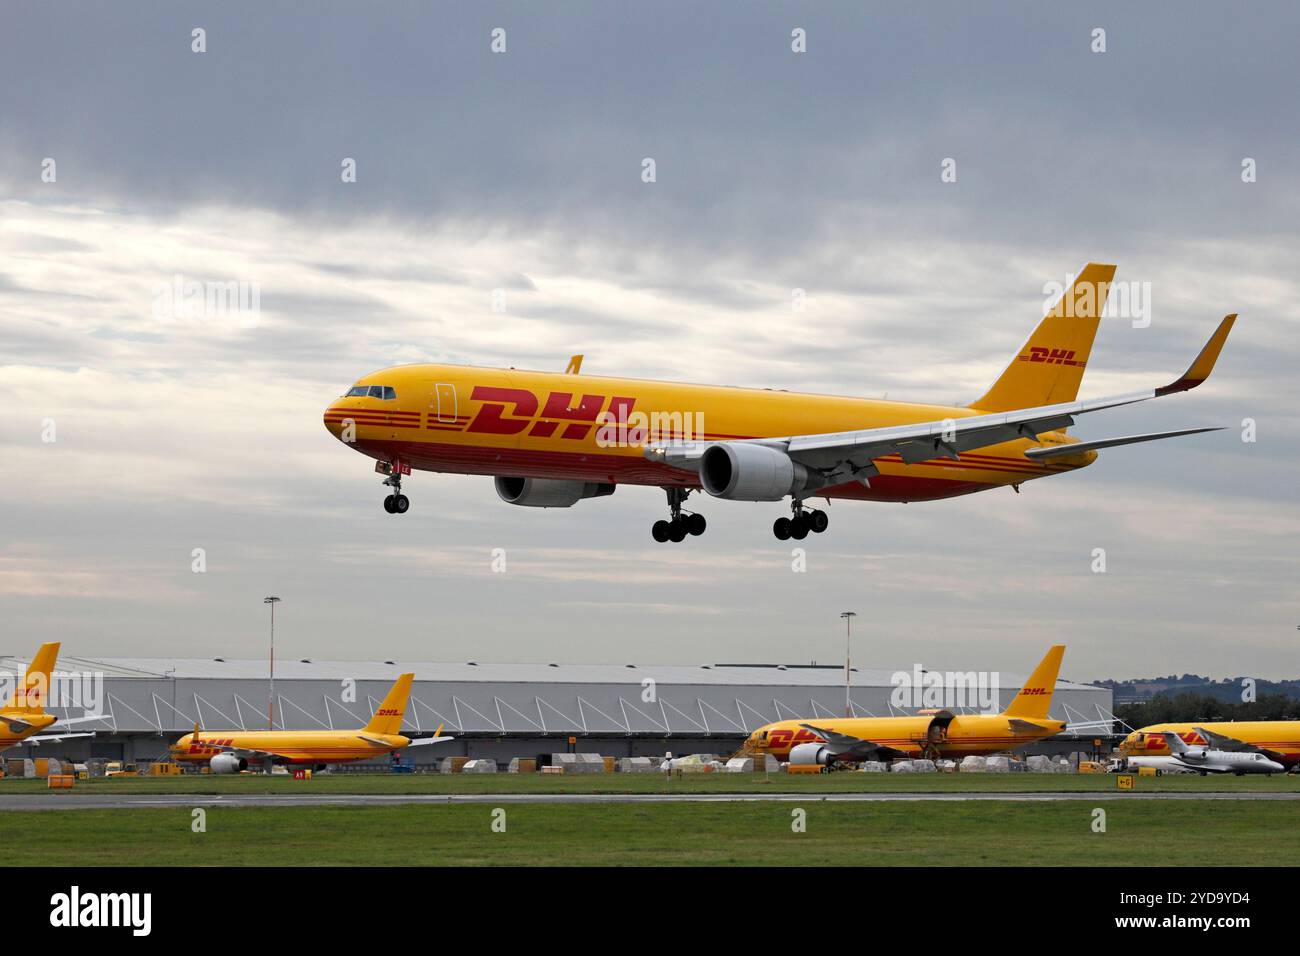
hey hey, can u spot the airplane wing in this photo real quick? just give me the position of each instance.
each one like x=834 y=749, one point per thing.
x=53 y=738
x=1233 y=745
x=849 y=747
x=421 y=741
x=846 y=456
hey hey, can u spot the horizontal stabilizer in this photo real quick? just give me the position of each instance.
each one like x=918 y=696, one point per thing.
x=1018 y=726
x=1061 y=451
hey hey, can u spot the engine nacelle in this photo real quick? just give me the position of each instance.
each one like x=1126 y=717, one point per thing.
x=549 y=492
x=743 y=472
x=227 y=763
x=809 y=755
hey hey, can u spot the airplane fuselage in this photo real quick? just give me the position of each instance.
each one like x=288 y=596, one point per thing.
x=926 y=735
x=506 y=422
x=308 y=747
x=12 y=734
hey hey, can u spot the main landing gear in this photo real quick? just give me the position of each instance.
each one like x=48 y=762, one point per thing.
x=396 y=503
x=679 y=525
x=800 y=523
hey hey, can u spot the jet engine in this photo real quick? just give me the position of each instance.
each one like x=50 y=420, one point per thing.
x=549 y=492
x=808 y=755
x=745 y=472
x=227 y=763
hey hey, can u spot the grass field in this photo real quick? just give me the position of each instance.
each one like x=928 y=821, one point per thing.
x=657 y=783
x=875 y=834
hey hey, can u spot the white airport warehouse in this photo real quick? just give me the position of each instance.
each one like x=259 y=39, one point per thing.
x=495 y=710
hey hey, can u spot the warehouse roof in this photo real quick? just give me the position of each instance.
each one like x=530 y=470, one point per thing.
x=187 y=668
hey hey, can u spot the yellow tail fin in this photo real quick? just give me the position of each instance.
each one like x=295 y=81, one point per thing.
x=34 y=692
x=1035 y=698
x=1049 y=367
x=388 y=718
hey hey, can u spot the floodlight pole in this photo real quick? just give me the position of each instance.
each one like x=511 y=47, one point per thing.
x=848 y=617
x=270 y=694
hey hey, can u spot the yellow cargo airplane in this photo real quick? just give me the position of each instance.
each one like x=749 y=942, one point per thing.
x=25 y=714
x=229 y=751
x=551 y=439
x=1277 y=740
x=931 y=733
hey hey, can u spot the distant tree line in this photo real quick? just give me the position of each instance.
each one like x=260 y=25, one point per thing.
x=1179 y=708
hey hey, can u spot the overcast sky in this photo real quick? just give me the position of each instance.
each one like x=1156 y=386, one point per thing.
x=522 y=171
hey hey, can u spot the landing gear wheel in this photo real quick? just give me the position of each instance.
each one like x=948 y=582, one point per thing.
x=781 y=528
x=818 y=521
x=799 y=526
x=396 y=503
x=678 y=525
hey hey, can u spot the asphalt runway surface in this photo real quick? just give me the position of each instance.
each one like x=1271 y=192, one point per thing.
x=104 y=801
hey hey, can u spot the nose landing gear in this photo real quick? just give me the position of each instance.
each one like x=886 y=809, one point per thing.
x=679 y=525
x=800 y=523
x=396 y=503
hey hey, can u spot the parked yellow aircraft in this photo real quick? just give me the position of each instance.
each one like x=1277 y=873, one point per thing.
x=551 y=440
x=25 y=714
x=1276 y=739
x=931 y=733
x=229 y=751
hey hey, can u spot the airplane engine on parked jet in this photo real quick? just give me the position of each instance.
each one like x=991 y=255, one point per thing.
x=744 y=472
x=227 y=763
x=808 y=755
x=549 y=492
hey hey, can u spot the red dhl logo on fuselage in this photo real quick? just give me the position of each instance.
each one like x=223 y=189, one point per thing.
x=200 y=747
x=1157 y=741
x=526 y=409
x=781 y=739
x=1039 y=353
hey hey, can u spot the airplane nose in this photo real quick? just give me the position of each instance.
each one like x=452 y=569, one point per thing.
x=333 y=419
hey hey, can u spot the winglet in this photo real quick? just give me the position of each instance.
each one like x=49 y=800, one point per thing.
x=575 y=365
x=1200 y=369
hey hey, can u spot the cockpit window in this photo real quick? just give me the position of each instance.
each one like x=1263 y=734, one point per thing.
x=386 y=392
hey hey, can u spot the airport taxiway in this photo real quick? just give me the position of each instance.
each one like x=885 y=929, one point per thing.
x=105 y=801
